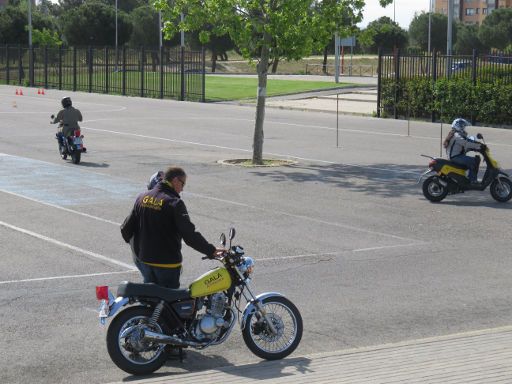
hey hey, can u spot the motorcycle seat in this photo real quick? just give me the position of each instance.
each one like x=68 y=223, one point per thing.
x=128 y=289
x=442 y=162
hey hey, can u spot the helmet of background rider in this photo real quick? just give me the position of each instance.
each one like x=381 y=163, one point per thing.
x=459 y=125
x=155 y=179
x=66 y=102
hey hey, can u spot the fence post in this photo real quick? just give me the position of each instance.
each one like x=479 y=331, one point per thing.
x=182 y=70
x=90 y=68
x=203 y=75
x=106 y=70
x=161 y=71
x=46 y=66
x=397 y=80
x=20 y=65
x=31 y=66
x=434 y=79
x=379 y=81
x=74 y=69
x=142 y=57
x=60 y=67
x=7 y=68
x=123 y=86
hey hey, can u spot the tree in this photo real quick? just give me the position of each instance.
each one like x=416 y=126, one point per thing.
x=93 y=23
x=496 y=29
x=467 y=39
x=14 y=24
x=384 y=33
x=263 y=29
x=418 y=31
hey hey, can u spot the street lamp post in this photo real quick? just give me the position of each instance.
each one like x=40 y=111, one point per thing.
x=429 y=23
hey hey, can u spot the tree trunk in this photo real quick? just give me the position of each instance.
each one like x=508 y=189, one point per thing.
x=274 y=65
x=257 y=156
x=214 y=61
x=324 y=64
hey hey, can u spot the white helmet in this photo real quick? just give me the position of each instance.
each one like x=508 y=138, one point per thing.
x=460 y=124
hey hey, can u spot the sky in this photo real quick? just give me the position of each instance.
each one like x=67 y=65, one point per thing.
x=403 y=11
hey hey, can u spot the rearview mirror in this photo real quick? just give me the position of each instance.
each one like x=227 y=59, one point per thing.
x=231 y=233
x=52 y=117
x=223 y=239
x=479 y=136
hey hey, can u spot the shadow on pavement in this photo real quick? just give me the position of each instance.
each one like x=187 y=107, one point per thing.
x=94 y=165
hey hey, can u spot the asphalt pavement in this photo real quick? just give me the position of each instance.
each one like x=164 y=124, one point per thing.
x=483 y=356
x=391 y=287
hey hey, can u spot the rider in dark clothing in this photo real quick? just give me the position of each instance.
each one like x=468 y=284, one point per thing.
x=158 y=223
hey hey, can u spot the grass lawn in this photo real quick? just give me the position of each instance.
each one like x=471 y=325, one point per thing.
x=236 y=88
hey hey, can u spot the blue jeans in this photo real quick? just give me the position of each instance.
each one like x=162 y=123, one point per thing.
x=165 y=277
x=469 y=162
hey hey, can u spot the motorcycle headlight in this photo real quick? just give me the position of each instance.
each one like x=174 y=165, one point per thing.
x=247 y=265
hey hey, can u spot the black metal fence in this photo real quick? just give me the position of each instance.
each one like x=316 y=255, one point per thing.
x=398 y=67
x=159 y=73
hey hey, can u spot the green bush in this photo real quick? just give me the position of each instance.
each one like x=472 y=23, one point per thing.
x=487 y=103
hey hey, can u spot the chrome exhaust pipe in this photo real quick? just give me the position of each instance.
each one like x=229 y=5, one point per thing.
x=165 y=339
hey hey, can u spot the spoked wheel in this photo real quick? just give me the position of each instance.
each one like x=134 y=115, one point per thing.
x=433 y=190
x=125 y=344
x=287 y=322
x=501 y=189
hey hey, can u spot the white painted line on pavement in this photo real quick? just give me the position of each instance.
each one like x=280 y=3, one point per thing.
x=60 y=207
x=302 y=217
x=66 y=277
x=69 y=246
x=341 y=252
x=287 y=156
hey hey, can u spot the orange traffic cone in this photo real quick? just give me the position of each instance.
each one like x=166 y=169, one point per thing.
x=42 y=91
x=17 y=93
x=39 y=91
x=21 y=92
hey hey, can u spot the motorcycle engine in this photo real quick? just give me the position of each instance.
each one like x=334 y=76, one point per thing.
x=212 y=320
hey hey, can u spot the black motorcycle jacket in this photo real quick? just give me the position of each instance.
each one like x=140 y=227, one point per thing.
x=159 y=221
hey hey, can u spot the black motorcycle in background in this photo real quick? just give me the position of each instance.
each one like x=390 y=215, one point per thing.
x=72 y=146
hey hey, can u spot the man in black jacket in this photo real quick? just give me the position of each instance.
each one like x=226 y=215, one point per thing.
x=158 y=222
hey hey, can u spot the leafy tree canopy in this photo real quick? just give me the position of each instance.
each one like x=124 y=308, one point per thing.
x=14 y=24
x=418 y=31
x=384 y=33
x=467 y=39
x=496 y=29
x=93 y=23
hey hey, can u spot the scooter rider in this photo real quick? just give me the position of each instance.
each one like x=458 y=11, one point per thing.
x=457 y=144
x=68 y=117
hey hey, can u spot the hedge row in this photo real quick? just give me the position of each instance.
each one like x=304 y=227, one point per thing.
x=485 y=103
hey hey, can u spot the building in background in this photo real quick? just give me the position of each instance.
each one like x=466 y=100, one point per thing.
x=471 y=11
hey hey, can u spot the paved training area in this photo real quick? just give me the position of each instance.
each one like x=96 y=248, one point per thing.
x=345 y=233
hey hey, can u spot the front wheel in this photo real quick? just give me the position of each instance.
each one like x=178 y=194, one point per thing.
x=501 y=189
x=287 y=321
x=433 y=190
x=131 y=353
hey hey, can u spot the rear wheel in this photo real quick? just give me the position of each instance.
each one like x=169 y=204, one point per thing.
x=75 y=157
x=501 y=189
x=131 y=353
x=433 y=190
x=287 y=322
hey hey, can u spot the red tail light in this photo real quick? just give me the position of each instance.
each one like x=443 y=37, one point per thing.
x=102 y=292
x=432 y=164
x=77 y=133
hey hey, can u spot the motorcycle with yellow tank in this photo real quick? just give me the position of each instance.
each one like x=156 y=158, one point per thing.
x=147 y=318
x=445 y=177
